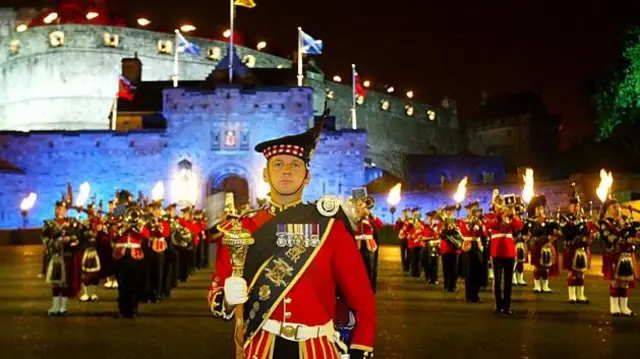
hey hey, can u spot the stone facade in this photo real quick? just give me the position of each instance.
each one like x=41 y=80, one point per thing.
x=72 y=87
x=194 y=138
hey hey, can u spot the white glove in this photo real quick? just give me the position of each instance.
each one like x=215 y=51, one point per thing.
x=235 y=291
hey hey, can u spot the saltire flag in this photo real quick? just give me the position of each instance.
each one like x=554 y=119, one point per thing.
x=126 y=89
x=358 y=88
x=310 y=46
x=185 y=46
x=245 y=3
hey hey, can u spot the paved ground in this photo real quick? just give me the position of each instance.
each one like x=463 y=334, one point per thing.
x=415 y=321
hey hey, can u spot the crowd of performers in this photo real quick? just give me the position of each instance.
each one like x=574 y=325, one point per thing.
x=496 y=245
x=137 y=247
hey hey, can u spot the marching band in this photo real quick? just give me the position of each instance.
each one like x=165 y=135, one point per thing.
x=135 y=247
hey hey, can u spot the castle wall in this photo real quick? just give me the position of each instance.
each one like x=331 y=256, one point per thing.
x=72 y=87
x=137 y=160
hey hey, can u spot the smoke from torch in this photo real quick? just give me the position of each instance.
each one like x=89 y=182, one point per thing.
x=604 y=188
x=461 y=192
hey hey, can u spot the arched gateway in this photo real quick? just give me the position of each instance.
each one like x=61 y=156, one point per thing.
x=230 y=178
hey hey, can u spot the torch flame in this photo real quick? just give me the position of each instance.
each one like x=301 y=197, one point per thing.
x=157 y=193
x=527 y=191
x=394 y=194
x=85 y=188
x=28 y=202
x=606 y=181
x=461 y=192
x=262 y=190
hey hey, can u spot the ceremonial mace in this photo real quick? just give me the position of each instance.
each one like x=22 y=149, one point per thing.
x=238 y=240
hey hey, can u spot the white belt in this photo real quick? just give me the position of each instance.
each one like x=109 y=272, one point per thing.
x=127 y=245
x=298 y=332
x=468 y=239
x=502 y=235
x=364 y=237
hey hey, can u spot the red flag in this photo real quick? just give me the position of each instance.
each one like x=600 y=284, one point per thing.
x=126 y=90
x=359 y=88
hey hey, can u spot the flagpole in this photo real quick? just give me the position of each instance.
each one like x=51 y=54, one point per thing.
x=232 y=11
x=175 y=60
x=354 y=124
x=300 y=75
x=114 y=118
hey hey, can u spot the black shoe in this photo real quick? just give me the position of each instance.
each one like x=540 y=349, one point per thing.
x=573 y=301
x=507 y=312
x=632 y=314
x=586 y=301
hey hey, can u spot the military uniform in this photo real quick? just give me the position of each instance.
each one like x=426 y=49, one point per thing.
x=64 y=255
x=619 y=236
x=450 y=248
x=473 y=232
x=431 y=252
x=415 y=242
x=303 y=254
x=367 y=239
x=403 y=227
x=503 y=253
x=543 y=233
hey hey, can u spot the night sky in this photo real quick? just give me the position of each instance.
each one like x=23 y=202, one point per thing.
x=435 y=47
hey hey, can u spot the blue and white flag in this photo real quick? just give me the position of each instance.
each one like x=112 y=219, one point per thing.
x=185 y=46
x=310 y=46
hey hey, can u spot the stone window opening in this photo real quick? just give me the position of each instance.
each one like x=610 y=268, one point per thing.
x=56 y=38
x=111 y=40
x=14 y=47
x=250 y=61
x=165 y=47
x=214 y=53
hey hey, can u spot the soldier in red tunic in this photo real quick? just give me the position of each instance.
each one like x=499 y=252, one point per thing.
x=60 y=237
x=543 y=234
x=367 y=224
x=303 y=255
x=129 y=254
x=450 y=248
x=159 y=231
x=473 y=232
x=415 y=242
x=431 y=252
x=577 y=232
x=501 y=223
x=187 y=253
x=403 y=227
x=620 y=236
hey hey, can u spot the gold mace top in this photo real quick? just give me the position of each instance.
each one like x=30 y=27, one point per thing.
x=237 y=239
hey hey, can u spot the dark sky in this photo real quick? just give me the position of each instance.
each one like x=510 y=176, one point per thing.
x=434 y=47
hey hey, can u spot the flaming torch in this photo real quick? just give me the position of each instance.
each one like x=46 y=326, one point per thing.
x=26 y=205
x=85 y=189
x=394 y=198
x=461 y=192
x=604 y=188
x=527 y=191
x=262 y=193
x=157 y=193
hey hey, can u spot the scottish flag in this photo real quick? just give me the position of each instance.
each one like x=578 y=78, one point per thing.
x=310 y=46
x=185 y=46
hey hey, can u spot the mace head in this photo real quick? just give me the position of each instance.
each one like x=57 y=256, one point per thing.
x=236 y=236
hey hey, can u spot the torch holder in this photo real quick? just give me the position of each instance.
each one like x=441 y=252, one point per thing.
x=238 y=240
x=392 y=209
x=25 y=217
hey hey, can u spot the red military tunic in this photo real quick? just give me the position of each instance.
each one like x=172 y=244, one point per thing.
x=447 y=247
x=312 y=300
x=132 y=241
x=193 y=228
x=502 y=242
x=403 y=227
x=365 y=231
x=415 y=237
x=158 y=237
x=472 y=233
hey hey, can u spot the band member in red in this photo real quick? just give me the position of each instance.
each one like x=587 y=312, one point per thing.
x=501 y=224
x=60 y=237
x=403 y=227
x=415 y=242
x=304 y=254
x=543 y=233
x=578 y=233
x=431 y=252
x=619 y=236
x=473 y=232
x=367 y=224
x=450 y=247
x=159 y=232
x=128 y=254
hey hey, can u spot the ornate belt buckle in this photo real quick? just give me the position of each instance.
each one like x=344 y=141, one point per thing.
x=289 y=331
